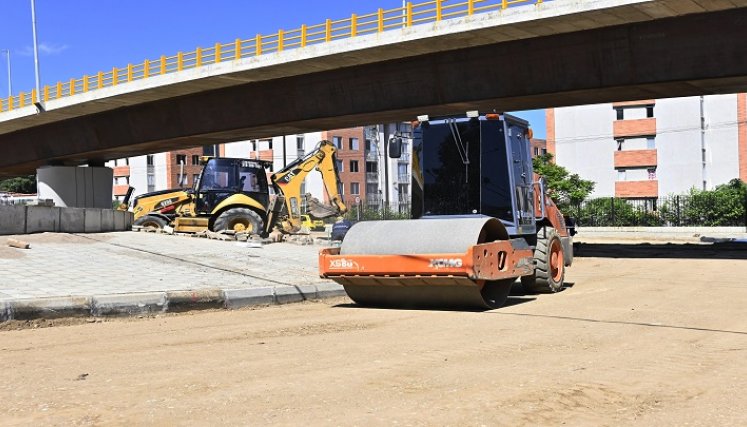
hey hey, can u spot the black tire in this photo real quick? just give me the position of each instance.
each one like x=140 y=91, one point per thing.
x=239 y=220
x=547 y=277
x=495 y=293
x=152 y=221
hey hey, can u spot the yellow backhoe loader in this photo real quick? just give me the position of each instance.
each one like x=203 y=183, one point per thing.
x=233 y=194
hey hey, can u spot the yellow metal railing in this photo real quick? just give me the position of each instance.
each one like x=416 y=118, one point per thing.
x=331 y=30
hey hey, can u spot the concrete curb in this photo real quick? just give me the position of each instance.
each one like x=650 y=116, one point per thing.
x=134 y=304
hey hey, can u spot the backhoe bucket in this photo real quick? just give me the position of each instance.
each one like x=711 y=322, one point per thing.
x=318 y=209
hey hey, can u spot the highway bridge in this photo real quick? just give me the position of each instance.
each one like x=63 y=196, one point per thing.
x=440 y=56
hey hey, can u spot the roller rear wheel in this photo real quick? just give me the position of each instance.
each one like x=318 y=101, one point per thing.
x=549 y=274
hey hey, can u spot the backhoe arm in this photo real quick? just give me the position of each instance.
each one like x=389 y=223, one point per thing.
x=288 y=183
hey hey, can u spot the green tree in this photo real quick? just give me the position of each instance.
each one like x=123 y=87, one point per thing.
x=562 y=185
x=19 y=184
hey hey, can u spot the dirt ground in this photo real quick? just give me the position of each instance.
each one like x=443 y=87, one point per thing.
x=635 y=341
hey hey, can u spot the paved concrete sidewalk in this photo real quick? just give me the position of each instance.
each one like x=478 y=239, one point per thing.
x=134 y=273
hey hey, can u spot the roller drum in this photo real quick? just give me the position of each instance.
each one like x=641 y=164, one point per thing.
x=423 y=236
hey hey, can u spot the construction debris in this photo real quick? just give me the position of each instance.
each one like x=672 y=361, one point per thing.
x=20 y=244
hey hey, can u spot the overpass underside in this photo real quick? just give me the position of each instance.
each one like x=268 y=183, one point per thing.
x=695 y=54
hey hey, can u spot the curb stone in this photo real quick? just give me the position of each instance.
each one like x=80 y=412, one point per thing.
x=288 y=294
x=200 y=299
x=50 y=307
x=329 y=290
x=238 y=298
x=129 y=304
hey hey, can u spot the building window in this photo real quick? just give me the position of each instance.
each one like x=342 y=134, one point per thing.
x=181 y=159
x=195 y=178
x=536 y=151
x=621 y=174
x=544 y=151
x=353 y=144
x=300 y=143
x=354 y=166
x=355 y=188
x=149 y=160
x=195 y=159
x=337 y=141
x=649 y=111
x=339 y=165
x=371 y=167
x=368 y=145
x=620 y=143
x=620 y=113
x=651 y=174
x=651 y=143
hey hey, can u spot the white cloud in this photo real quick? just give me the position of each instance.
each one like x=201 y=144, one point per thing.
x=44 y=49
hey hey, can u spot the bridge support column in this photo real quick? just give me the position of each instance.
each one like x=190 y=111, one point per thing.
x=78 y=187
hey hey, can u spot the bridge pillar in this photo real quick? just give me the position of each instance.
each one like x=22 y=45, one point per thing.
x=76 y=187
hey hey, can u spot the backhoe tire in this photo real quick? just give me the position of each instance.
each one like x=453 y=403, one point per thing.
x=240 y=220
x=151 y=221
x=549 y=273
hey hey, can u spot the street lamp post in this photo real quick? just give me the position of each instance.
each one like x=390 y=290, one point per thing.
x=10 y=81
x=36 y=51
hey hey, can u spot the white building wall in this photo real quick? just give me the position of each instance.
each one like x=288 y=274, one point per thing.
x=138 y=175
x=584 y=144
x=722 y=139
x=159 y=171
x=678 y=145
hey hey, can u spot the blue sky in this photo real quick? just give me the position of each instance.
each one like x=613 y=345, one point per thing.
x=86 y=36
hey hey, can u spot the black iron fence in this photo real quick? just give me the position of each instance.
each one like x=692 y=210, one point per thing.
x=699 y=210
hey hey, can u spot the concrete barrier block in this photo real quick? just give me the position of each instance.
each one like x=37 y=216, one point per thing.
x=195 y=299
x=40 y=219
x=288 y=294
x=12 y=220
x=107 y=220
x=50 y=307
x=237 y=298
x=329 y=290
x=72 y=220
x=129 y=219
x=129 y=304
x=93 y=220
x=120 y=222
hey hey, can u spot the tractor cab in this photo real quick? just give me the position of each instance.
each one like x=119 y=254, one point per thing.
x=224 y=177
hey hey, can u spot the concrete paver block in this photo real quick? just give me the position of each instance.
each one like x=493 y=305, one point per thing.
x=107 y=220
x=194 y=299
x=40 y=219
x=72 y=220
x=12 y=219
x=329 y=290
x=237 y=298
x=93 y=220
x=288 y=294
x=50 y=307
x=129 y=304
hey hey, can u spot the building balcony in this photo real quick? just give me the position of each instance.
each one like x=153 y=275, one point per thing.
x=121 y=170
x=404 y=178
x=372 y=155
x=635 y=159
x=120 y=190
x=372 y=177
x=633 y=128
x=640 y=103
x=637 y=189
x=404 y=158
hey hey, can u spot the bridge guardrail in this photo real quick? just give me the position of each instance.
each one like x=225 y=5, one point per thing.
x=331 y=30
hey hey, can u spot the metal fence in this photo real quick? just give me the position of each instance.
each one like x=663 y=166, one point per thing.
x=331 y=30
x=702 y=210
x=376 y=208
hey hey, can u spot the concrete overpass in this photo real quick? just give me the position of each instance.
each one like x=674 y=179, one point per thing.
x=556 y=53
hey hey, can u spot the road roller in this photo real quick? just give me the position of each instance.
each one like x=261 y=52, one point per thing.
x=481 y=220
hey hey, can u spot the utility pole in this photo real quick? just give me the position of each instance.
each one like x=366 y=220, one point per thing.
x=10 y=81
x=36 y=51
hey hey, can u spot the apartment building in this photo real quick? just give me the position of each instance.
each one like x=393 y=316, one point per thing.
x=652 y=148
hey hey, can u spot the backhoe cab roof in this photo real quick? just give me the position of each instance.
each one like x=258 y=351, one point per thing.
x=264 y=163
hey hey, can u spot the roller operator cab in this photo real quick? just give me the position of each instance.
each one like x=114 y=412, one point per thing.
x=481 y=219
